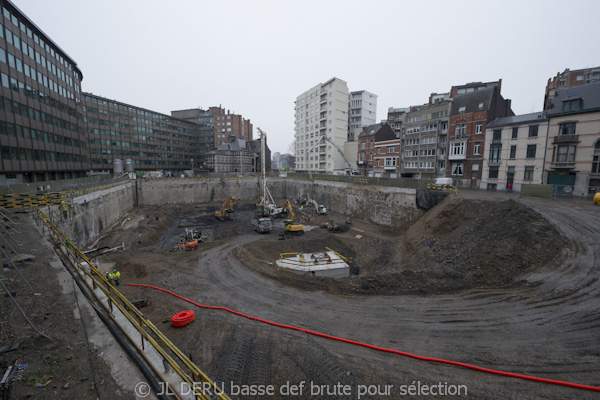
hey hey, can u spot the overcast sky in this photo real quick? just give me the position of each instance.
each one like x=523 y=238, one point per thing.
x=255 y=57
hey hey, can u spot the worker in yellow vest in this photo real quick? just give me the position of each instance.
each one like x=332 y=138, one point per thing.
x=117 y=277
x=109 y=277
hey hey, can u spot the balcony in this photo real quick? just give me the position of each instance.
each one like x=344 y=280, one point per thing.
x=457 y=157
x=563 y=165
x=361 y=162
x=566 y=139
x=389 y=168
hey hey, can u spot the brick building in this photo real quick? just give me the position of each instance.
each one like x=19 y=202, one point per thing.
x=568 y=79
x=386 y=158
x=469 y=115
x=222 y=122
x=367 y=150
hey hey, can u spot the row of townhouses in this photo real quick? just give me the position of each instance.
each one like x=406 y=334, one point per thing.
x=469 y=134
x=50 y=129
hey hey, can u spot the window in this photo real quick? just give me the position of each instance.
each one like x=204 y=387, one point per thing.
x=457 y=168
x=494 y=172
x=391 y=149
x=497 y=135
x=528 y=173
x=379 y=150
x=571 y=105
x=378 y=160
x=564 y=153
x=475 y=167
x=533 y=131
x=513 y=152
x=495 y=151
x=568 y=128
x=480 y=106
x=478 y=128
x=461 y=131
x=457 y=149
x=477 y=148
x=462 y=109
x=579 y=77
x=596 y=159
x=531 y=150
x=515 y=133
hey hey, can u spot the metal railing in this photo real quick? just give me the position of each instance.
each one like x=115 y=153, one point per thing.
x=50 y=198
x=189 y=372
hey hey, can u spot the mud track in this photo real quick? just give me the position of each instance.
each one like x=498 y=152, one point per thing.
x=547 y=326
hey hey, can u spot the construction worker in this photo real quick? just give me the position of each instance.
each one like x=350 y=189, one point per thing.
x=109 y=277
x=117 y=277
x=65 y=210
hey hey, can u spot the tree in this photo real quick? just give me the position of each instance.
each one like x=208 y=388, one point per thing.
x=292 y=149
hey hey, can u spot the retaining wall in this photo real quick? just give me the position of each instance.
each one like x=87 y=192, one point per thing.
x=389 y=206
x=90 y=214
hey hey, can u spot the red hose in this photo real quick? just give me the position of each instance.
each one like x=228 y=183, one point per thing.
x=182 y=318
x=370 y=346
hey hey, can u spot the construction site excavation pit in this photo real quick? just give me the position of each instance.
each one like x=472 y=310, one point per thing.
x=472 y=280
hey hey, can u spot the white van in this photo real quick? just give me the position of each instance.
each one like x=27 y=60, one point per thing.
x=443 y=181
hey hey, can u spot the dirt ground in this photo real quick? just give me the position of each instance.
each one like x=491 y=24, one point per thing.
x=496 y=281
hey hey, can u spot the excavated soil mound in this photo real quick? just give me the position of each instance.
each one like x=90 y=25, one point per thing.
x=459 y=244
x=470 y=243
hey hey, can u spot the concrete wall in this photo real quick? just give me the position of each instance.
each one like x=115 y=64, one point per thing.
x=90 y=214
x=382 y=205
x=378 y=204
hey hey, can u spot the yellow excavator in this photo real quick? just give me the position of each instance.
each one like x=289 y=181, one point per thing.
x=290 y=226
x=226 y=209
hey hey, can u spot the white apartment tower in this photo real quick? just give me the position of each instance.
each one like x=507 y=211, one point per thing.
x=362 y=112
x=322 y=111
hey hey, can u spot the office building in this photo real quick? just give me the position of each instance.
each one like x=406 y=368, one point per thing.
x=41 y=136
x=152 y=141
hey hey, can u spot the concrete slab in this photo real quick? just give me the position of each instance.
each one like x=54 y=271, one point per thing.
x=320 y=263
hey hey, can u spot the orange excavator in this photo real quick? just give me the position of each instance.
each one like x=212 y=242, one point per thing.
x=226 y=209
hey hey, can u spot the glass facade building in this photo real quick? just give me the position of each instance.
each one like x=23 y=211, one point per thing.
x=153 y=141
x=41 y=136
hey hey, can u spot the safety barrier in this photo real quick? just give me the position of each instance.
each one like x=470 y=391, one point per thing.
x=51 y=198
x=383 y=349
x=148 y=331
x=31 y=199
x=443 y=187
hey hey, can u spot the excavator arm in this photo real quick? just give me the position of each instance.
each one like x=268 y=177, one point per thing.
x=322 y=138
x=226 y=208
